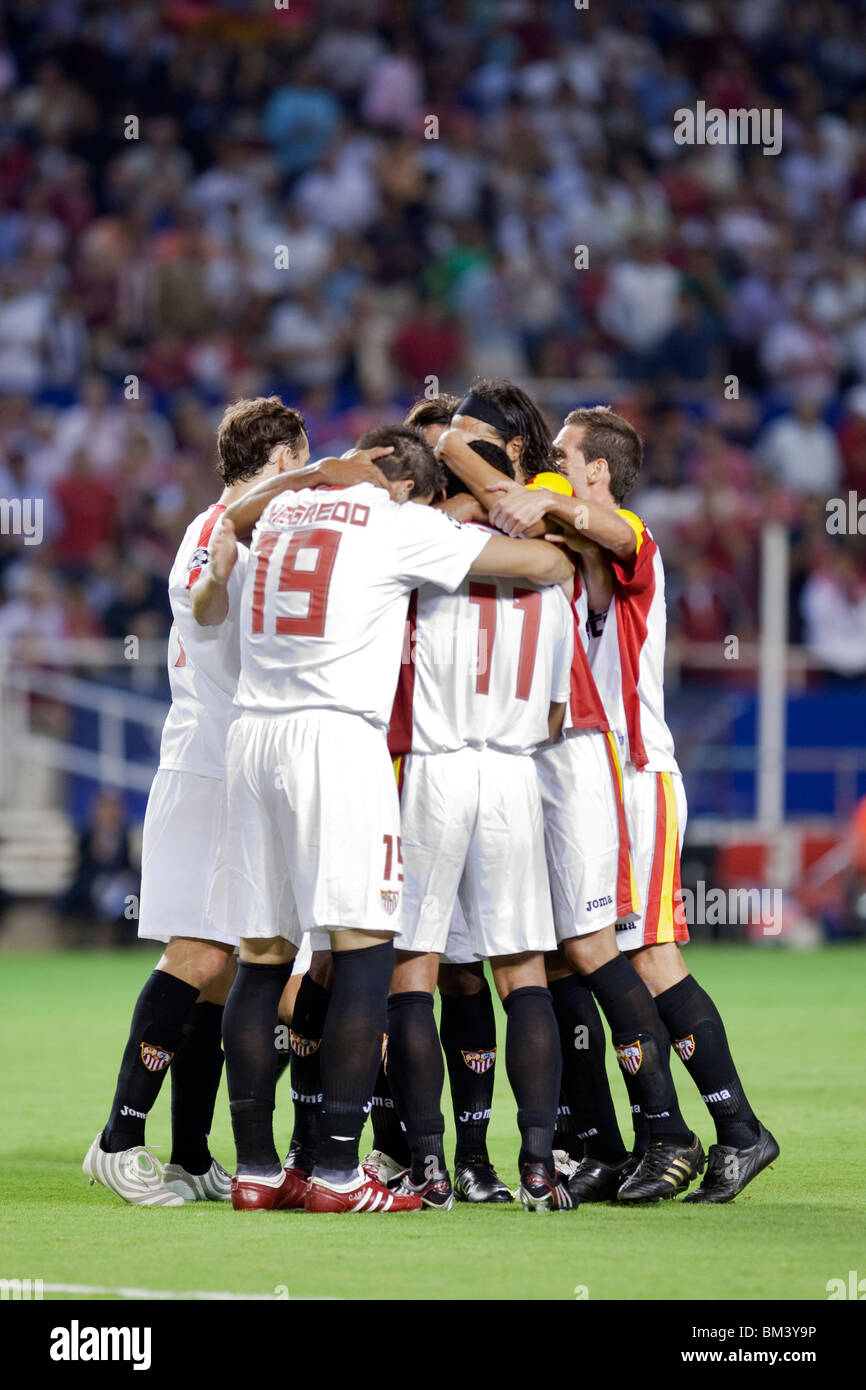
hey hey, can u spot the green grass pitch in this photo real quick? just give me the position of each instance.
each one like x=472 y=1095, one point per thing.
x=796 y=1023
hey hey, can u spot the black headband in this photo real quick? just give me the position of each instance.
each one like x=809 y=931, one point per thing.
x=481 y=409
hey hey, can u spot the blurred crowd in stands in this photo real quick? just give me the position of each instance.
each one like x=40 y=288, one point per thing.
x=340 y=202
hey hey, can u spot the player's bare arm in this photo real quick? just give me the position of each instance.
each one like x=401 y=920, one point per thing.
x=597 y=577
x=209 y=594
x=515 y=510
x=479 y=476
x=594 y=565
x=539 y=561
x=358 y=466
x=463 y=507
x=555 y=720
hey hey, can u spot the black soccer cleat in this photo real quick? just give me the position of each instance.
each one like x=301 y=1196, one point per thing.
x=435 y=1192
x=666 y=1169
x=479 y=1182
x=730 y=1169
x=594 y=1181
x=539 y=1191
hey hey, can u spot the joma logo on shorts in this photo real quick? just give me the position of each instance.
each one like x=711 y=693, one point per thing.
x=593 y=903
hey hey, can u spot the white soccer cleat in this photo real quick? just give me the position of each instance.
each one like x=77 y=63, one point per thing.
x=133 y=1174
x=378 y=1166
x=213 y=1186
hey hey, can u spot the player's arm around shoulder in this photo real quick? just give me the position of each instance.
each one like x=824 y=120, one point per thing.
x=536 y=560
x=209 y=596
x=356 y=467
x=613 y=530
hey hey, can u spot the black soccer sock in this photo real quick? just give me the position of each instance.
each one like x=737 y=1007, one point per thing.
x=584 y=1074
x=641 y=1044
x=155 y=1035
x=467 y=1027
x=305 y=1037
x=417 y=1075
x=250 y=1023
x=565 y=1135
x=351 y=1052
x=533 y=1060
x=699 y=1039
x=389 y=1136
x=195 y=1080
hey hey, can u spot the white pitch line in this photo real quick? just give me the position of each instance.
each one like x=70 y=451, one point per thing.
x=167 y=1295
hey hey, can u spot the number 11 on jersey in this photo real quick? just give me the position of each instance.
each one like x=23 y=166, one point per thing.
x=528 y=601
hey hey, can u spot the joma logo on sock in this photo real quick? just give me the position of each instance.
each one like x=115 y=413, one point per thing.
x=128 y=1110
x=77 y=1343
x=715 y=1096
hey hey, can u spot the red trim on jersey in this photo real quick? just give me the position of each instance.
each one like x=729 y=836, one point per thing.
x=625 y=904
x=214 y=513
x=634 y=591
x=400 y=727
x=585 y=706
x=652 y=907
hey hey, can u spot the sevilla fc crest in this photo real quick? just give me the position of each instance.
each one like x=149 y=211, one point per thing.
x=155 y=1058
x=630 y=1056
x=304 y=1047
x=685 y=1047
x=480 y=1062
x=390 y=900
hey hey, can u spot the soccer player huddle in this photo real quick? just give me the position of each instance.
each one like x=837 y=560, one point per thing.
x=417 y=725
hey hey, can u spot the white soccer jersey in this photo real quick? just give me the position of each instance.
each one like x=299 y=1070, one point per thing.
x=325 y=599
x=627 y=655
x=481 y=667
x=203 y=662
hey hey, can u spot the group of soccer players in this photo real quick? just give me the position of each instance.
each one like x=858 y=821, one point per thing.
x=417 y=724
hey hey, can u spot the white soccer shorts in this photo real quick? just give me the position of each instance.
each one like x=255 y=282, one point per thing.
x=591 y=877
x=656 y=812
x=183 y=826
x=473 y=834
x=313 y=826
x=458 y=946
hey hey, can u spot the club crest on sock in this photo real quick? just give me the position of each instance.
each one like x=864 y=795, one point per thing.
x=155 y=1058
x=629 y=1056
x=479 y=1062
x=684 y=1047
x=303 y=1047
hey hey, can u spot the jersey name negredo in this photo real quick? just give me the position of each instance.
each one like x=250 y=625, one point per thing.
x=326 y=594
x=627 y=654
x=484 y=664
x=203 y=662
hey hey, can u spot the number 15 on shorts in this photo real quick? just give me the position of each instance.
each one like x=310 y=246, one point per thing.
x=393 y=872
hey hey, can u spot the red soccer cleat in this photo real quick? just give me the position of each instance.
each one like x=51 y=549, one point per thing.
x=250 y=1195
x=366 y=1195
